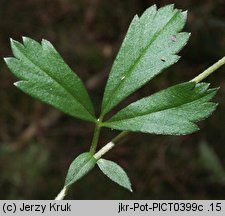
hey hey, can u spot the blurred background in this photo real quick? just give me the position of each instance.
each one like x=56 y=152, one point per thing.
x=38 y=143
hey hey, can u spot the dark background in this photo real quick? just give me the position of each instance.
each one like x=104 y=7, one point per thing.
x=37 y=142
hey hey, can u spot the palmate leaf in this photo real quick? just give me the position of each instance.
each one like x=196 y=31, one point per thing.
x=149 y=47
x=172 y=111
x=44 y=75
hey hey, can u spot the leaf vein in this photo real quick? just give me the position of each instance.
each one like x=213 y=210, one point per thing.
x=56 y=80
x=159 y=110
x=134 y=65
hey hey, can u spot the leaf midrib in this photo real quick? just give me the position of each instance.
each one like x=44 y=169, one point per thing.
x=57 y=81
x=133 y=66
x=80 y=169
x=159 y=110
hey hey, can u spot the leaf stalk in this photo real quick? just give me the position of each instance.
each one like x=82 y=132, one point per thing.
x=96 y=135
x=209 y=71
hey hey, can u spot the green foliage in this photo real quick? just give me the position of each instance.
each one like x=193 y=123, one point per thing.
x=46 y=76
x=115 y=173
x=149 y=47
x=170 y=111
x=80 y=167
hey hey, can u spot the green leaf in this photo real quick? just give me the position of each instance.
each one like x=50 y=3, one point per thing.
x=149 y=47
x=45 y=75
x=115 y=173
x=83 y=164
x=171 y=111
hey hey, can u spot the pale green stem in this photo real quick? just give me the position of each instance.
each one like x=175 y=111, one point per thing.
x=98 y=155
x=103 y=150
x=62 y=194
x=120 y=136
x=110 y=145
x=209 y=71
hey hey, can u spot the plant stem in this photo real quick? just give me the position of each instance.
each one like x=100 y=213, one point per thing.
x=97 y=156
x=103 y=150
x=209 y=71
x=109 y=145
x=120 y=136
x=95 y=137
x=62 y=194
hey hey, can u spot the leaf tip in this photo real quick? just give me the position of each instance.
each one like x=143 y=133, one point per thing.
x=215 y=106
x=185 y=13
x=12 y=41
x=6 y=60
x=196 y=128
x=25 y=39
x=43 y=41
x=15 y=44
x=136 y=17
x=216 y=89
x=176 y=58
x=171 y=5
x=46 y=45
x=154 y=6
x=188 y=36
x=16 y=83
